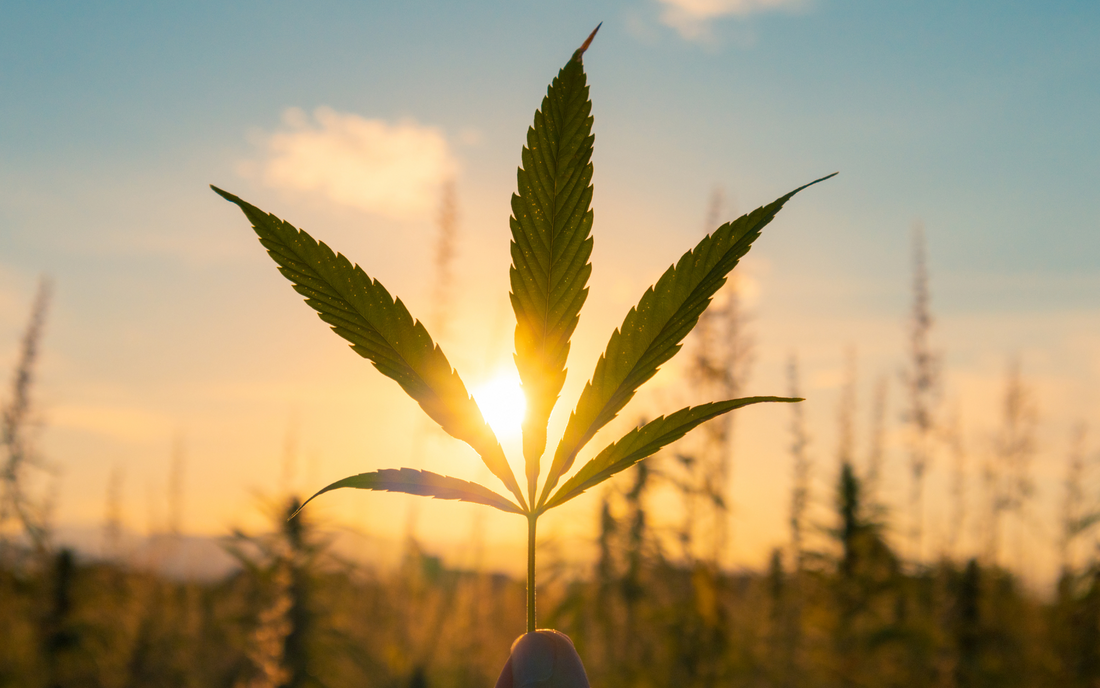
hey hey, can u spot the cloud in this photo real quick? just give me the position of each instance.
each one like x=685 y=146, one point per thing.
x=393 y=170
x=692 y=18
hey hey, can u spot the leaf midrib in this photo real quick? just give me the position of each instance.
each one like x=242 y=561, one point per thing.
x=543 y=344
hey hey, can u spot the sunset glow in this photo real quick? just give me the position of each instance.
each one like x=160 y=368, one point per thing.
x=502 y=403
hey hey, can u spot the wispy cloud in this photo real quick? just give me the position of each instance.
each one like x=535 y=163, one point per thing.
x=692 y=18
x=391 y=169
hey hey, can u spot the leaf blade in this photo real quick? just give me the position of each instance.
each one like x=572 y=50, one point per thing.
x=551 y=245
x=424 y=484
x=645 y=441
x=379 y=328
x=652 y=331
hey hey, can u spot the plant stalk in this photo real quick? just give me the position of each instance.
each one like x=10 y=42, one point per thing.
x=531 y=519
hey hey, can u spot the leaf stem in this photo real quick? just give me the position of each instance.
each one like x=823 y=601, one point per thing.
x=531 y=520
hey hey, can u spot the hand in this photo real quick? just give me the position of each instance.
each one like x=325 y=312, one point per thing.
x=543 y=659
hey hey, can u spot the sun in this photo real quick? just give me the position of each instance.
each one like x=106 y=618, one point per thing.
x=502 y=404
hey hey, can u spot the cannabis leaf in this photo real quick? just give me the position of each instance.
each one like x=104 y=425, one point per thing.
x=653 y=330
x=381 y=330
x=550 y=247
x=424 y=483
x=643 y=442
x=551 y=244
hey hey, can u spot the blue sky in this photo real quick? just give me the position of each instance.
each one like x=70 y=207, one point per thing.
x=977 y=120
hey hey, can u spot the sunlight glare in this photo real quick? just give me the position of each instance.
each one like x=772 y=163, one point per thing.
x=502 y=403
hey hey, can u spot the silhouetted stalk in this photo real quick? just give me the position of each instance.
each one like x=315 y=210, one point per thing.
x=954 y=437
x=1008 y=477
x=1074 y=518
x=800 y=490
x=60 y=638
x=16 y=419
x=846 y=412
x=801 y=481
x=967 y=627
x=876 y=450
x=722 y=364
x=531 y=520
x=922 y=380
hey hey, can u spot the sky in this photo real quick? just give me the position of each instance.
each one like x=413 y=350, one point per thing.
x=171 y=335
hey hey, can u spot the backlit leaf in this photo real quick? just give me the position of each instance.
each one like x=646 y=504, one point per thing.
x=643 y=442
x=424 y=483
x=380 y=329
x=653 y=330
x=551 y=220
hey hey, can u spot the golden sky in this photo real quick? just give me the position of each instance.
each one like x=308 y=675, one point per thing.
x=171 y=328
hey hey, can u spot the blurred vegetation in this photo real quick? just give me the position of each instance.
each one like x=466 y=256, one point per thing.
x=295 y=614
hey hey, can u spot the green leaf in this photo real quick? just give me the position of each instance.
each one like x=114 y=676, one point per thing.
x=643 y=442
x=381 y=330
x=551 y=220
x=652 y=331
x=424 y=483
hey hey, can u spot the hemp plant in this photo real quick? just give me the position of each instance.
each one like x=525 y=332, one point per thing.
x=551 y=244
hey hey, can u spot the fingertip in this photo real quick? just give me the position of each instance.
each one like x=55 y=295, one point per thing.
x=545 y=659
x=534 y=657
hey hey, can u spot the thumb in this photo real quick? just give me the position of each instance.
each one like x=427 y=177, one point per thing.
x=543 y=659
